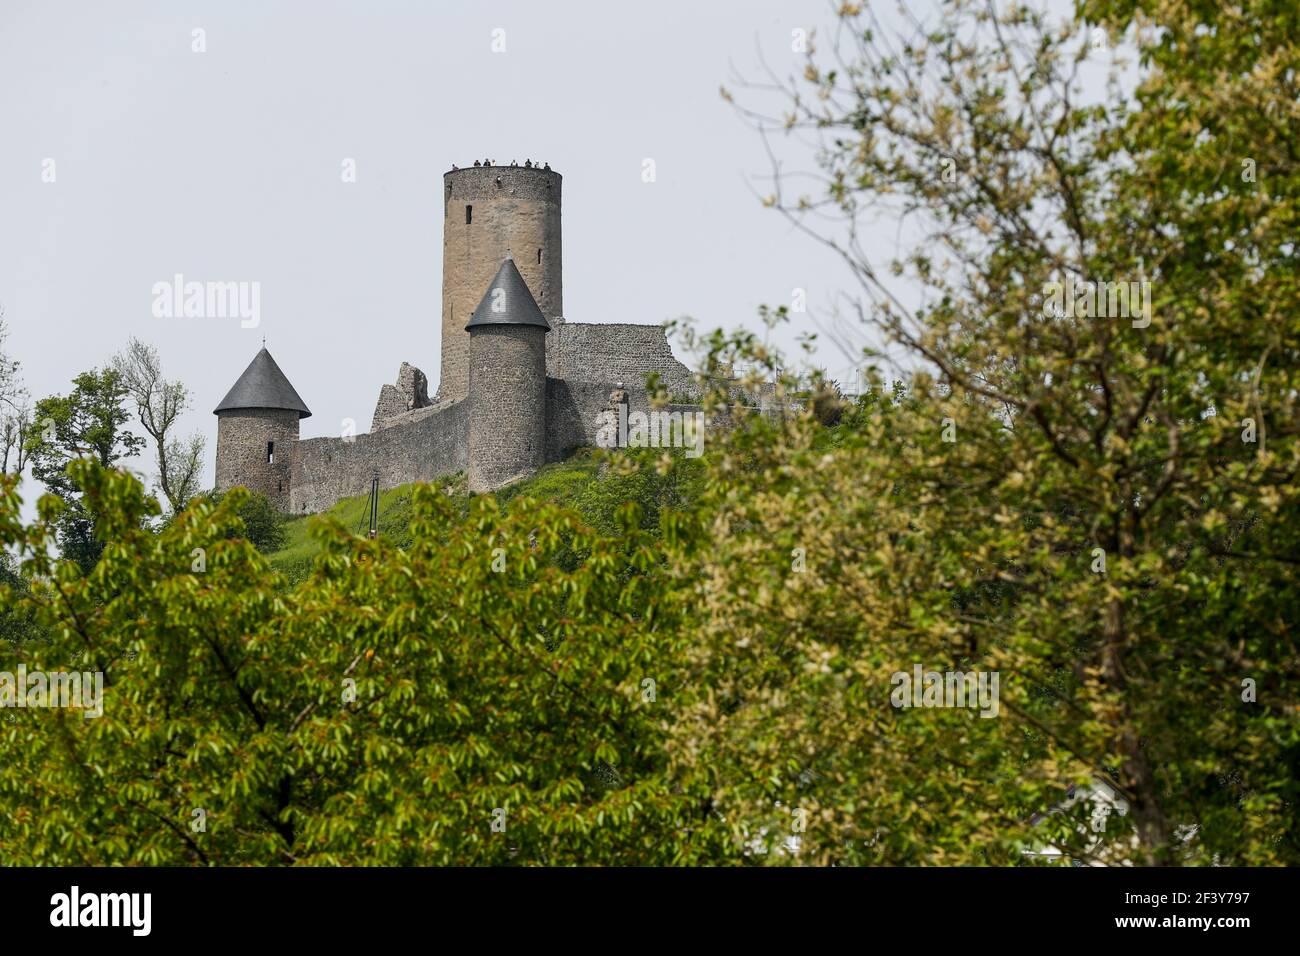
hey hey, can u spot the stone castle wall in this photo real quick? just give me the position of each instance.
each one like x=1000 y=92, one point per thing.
x=576 y=412
x=512 y=209
x=433 y=443
x=576 y=351
x=242 y=451
x=410 y=393
x=616 y=352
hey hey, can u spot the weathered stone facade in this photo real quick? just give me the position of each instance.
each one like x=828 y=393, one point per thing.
x=612 y=352
x=410 y=392
x=507 y=395
x=489 y=212
x=576 y=411
x=432 y=443
x=519 y=389
x=255 y=448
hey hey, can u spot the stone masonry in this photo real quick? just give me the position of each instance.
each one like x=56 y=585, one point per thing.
x=255 y=448
x=430 y=444
x=519 y=389
x=489 y=212
x=507 y=382
x=610 y=352
x=410 y=392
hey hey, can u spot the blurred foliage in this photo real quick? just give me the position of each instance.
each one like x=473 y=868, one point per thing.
x=17 y=621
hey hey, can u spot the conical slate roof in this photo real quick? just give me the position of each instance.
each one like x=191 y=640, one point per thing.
x=263 y=385
x=509 y=293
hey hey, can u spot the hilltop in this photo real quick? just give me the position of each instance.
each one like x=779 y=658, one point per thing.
x=588 y=482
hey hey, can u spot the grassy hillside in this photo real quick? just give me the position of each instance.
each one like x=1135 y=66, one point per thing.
x=585 y=482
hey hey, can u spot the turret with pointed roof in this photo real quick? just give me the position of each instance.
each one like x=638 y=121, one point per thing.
x=508 y=301
x=257 y=431
x=263 y=385
x=507 y=382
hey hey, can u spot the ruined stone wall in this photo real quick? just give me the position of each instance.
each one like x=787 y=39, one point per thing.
x=391 y=404
x=507 y=395
x=413 y=415
x=513 y=209
x=411 y=392
x=243 y=457
x=616 y=352
x=573 y=413
x=576 y=411
x=432 y=444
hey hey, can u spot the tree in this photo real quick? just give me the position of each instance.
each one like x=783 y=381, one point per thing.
x=15 y=427
x=461 y=702
x=15 y=412
x=88 y=422
x=1090 y=484
x=262 y=522
x=159 y=403
x=17 y=622
x=184 y=468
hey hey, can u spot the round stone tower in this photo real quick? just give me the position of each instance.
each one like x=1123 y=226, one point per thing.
x=257 y=431
x=507 y=383
x=489 y=212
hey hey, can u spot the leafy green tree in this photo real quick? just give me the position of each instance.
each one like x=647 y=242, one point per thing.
x=1091 y=493
x=15 y=410
x=463 y=701
x=262 y=523
x=90 y=421
x=17 y=622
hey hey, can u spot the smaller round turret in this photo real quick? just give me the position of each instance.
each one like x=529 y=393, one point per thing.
x=507 y=383
x=257 y=431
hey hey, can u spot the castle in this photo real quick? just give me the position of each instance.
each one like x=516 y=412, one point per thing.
x=519 y=386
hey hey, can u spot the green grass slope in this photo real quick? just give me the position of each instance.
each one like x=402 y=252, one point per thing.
x=585 y=482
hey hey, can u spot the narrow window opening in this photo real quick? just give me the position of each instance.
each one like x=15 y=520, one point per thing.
x=539 y=257
x=270 y=453
x=469 y=215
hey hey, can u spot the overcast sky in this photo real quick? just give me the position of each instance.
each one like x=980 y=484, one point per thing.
x=226 y=165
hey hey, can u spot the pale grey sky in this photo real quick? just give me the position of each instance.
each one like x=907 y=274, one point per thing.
x=226 y=165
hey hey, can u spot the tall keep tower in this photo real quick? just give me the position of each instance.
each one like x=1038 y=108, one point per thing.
x=257 y=431
x=489 y=211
